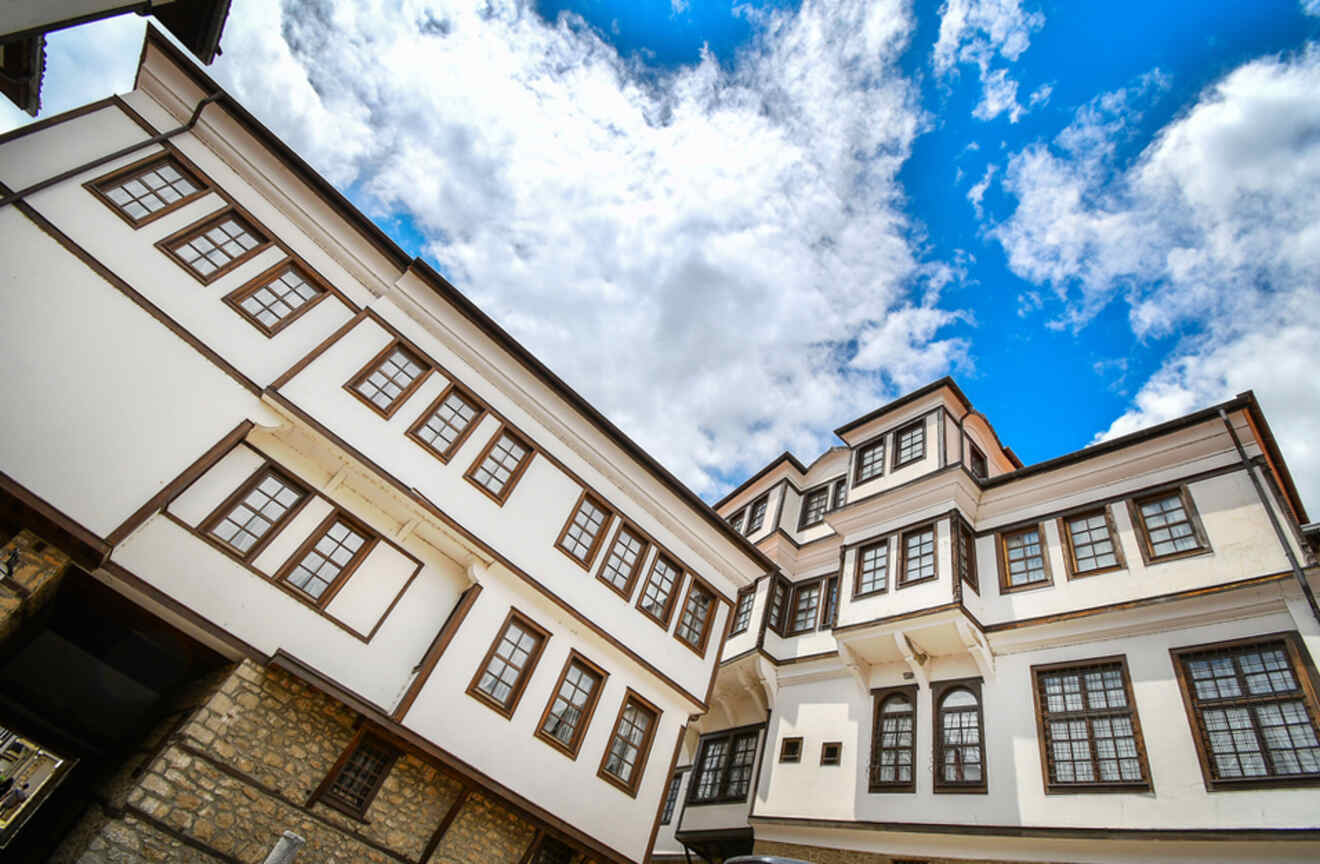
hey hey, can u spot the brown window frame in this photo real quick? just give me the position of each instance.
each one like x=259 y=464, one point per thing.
x=695 y=583
x=920 y=422
x=822 y=489
x=515 y=476
x=837 y=488
x=723 y=795
x=370 y=540
x=1144 y=545
x=1308 y=687
x=524 y=675
x=325 y=793
x=132 y=171
x=975 y=455
x=962 y=531
x=939 y=690
x=798 y=588
x=574 y=746
x=876 y=443
x=374 y=364
x=1055 y=787
x=234 y=299
x=790 y=750
x=626 y=591
x=1001 y=555
x=414 y=431
x=749 y=594
x=836 y=758
x=223 y=509
x=879 y=697
x=737 y=520
x=1070 y=551
x=598 y=540
x=206 y=223
x=829 y=603
x=757 y=510
x=900 y=580
x=672 y=796
x=630 y=786
x=857 y=592
x=778 y=625
x=672 y=600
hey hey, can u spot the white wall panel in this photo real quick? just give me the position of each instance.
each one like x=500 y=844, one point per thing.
x=371 y=588
x=205 y=494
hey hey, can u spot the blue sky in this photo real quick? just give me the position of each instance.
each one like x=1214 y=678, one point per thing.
x=735 y=226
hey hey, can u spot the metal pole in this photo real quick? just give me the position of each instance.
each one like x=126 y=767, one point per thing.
x=286 y=848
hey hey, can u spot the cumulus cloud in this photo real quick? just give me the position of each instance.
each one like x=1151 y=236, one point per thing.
x=982 y=33
x=1311 y=7
x=1211 y=236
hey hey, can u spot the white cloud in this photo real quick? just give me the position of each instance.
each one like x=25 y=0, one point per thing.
x=1311 y=7
x=983 y=32
x=977 y=192
x=1211 y=236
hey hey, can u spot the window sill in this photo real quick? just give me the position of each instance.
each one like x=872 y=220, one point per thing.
x=1030 y=586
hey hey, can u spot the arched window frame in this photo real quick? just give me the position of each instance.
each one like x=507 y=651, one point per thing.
x=940 y=691
x=880 y=697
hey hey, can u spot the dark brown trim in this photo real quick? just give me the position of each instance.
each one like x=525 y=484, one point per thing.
x=322 y=794
x=445 y=821
x=584 y=719
x=659 y=811
x=638 y=565
x=671 y=599
x=959 y=530
x=900 y=580
x=206 y=223
x=880 y=440
x=722 y=794
x=1001 y=557
x=597 y=541
x=879 y=696
x=790 y=750
x=1142 y=533
x=94 y=550
x=932 y=387
x=920 y=422
x=857 y=592
x=171 y=490
x=234 y=299
x=56 y=119
x=938 y=690
x=138 y=167
x=503 y=429
x=507 y=708
x=693 y=583
x=749 y=591
x=902 y=616
x=205 y=528
x=463 y=393
x=819 y=488
x=307 y=359
x=443 y=637
x=337 y=514
x=837 y=758
x=374 y=363
x=1070 y=551
x=631 y=786
x=819 y=583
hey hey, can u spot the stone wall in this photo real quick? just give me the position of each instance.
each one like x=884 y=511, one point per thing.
x=37 y=574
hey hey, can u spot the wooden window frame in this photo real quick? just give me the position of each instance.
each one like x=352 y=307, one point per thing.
x=414 y=431
x=920 y=422
x=968 y=574
x=234 y=299
x=878 y=442
x=723 y=795
x=879 y=696
x=737 y=520
x=470 y=474
x=778 y=627
x=785 y=745
x=231 y=501
x=629 y=787
x=1308 y=683
x=638 y=566
x=1001 y=556
x=829 y=612
x=857 y=592
x=694 y=583
x=375 y=362
x=1070 y=552
x=938 y=691
x=672 y=600
x=798 y=587
x=572 y=748
x=323 y=795
x=672 y=796
x=1054 y=787
x=201 y=226
x=141 y=166
x=1148 y=555
x=750 y=594
x=825 y=757
x=599 y=539
x=975 y=453
x=524 y=675
x=763 y=504
x=826 y=489
x=899 y=581
x=370 y=540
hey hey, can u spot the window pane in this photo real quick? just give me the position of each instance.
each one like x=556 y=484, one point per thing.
x=501 y=464
x=918 y=555
x=1093 y=546
x=447 y=423
x=1168 y=526
x=813 y=507
x=757 y=516
x=151 y=189
x=391 y=378
x=570 y=703
x=629 y=736
x=1089 y=726
x=584 y=530
x=217 y=244
x=805 y=607
x=326 y=560
x=1025 y=557
x=874 y=572
x=910 y=443
x=870 y=461
x=742 y=618
x=624 y=558
x=659 y=587
x=507 y=664
x=279 y=297
x=263 y=507
x=696 y=612
x=361 y=775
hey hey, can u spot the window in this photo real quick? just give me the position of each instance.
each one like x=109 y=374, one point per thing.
x=840 y=495
x=657 y=599
x=500 y=465
x=147 y=190
x=1091 y=543
x=327 y=558
x=1253 y=711
x=630 y=743
x=359 y=775
x=447 y=422
x=216 y=246
x=565 y=720
x=831 y=753
x=918 y=556
x=966 y=553
x=671 y=798
x=508 y=664
x=742 y=616
x=778 y=605
x=694 y=621
x=251 y=517
x=893 y=741
x=584 y=530
x=813 y=507
x=736 y=520
x=276 y=298
x=976 y=462
x=829 y=616
x=1089 y=733
x=872 y=569
x=870 y=461
x=1167 y=525
x=389 y=379
x=790 y=750
x=624 y=561
x=756 y=516
x=806 y=607
x=959 y=736
x=1023 y=560
x=723 y=771
x=910 y=443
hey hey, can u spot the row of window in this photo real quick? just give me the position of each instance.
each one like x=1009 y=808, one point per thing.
x=504 y=672
x=753 y=513
x=909 y=445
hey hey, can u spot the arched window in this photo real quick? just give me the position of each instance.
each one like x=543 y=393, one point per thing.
x=959 y=736
x=893 y=741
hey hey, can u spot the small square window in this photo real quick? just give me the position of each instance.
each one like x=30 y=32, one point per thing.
x=790 y=750
x=585 y=530
x=1091 y=543
x=327 y=559
x=910 y=443
x=147 y=190
x=447 y=422
x=501 y=465
x=831 y=753
x=389 y=379
x=624 y=562
x=1168 y=525
x=870 y=461
x=736 y=520
x=359 y=776
x=210 y=249
x=1024 y=560
x=277 y=298
x=249 y=518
